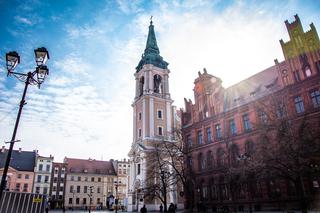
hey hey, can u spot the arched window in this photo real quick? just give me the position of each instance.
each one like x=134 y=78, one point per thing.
x=234 y=155
x=202 y=163
x=141 y=84
x=249 y=149
x=157 y=84
x=209 y=159
x=220 y=158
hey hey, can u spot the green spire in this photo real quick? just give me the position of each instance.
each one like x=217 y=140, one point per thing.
x=151 y=53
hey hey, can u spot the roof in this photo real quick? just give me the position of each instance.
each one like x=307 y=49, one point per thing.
x=151 y=53
x=90 y=166
x=20 y=160
x=252 y=88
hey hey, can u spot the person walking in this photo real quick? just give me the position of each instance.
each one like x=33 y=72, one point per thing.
x=161 y=208
x=143 y=209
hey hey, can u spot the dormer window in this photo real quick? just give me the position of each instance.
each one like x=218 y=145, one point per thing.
x=307 y=71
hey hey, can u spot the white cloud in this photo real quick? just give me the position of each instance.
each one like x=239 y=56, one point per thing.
x=23 y=20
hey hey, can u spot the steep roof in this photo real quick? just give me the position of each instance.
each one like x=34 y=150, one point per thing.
x=20 y=160
x=252 y=88
x=90 y=166
x=152 y=53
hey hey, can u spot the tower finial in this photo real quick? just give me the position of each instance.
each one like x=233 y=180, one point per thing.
x=151 y=20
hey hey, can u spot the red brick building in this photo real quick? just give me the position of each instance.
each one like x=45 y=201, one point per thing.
x=223 y=123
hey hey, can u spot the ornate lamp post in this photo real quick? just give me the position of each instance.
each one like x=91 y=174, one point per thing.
x=35 y=77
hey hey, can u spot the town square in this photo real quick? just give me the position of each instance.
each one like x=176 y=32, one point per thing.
x=160 y=106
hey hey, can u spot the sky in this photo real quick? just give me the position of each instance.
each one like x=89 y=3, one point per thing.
x=83 y=109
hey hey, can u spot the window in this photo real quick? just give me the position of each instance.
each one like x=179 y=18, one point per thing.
x=54 y=188
x=19 y=176
x=209 y=159
x=262 y=116
x=189 y=141
x=71 y=189
x=72 y=178
x=92 y=179
x=84 y=201
x=315 y=97
x=40 y=167
x=25 y=187
x=233 y=128
x=220 y=158
x=299 y=104
x=17 y=187
x=85 y=189
x=246 y=122
x=61 y=189
x=318 y=66
x=209 y=135
x=234 y=155
x=45 y=190
x=39 y=178
x=48 y=168
x=77 y=200
x=46 y=179
x=139 y=168
x=140 y=133
x=120 y=171
x=78 y=189
x=307 y=71
x=37 y=190
x=202 y=163
x=26 y=176
x=140 y=116
x=218 y=131
x=189 y=162
x=99 y=179
x=85 y=178
x=79 y=178
x=281 y=110
x=70 y=200
x=159 y=114
x=157 y=84
x=141 y=84
x=296 y=76
x=56 y=170
x=159 y=130
x=98 y=189
x=199 y=137
x=55 y=179
x=285 y=77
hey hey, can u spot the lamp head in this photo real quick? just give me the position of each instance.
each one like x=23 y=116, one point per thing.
x=12 y=60
x=41 y=55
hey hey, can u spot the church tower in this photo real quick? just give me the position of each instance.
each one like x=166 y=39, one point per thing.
x=153 y=120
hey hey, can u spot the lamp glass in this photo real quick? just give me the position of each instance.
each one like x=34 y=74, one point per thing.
x=41 y=56
x=12 y=59
x=42 y=71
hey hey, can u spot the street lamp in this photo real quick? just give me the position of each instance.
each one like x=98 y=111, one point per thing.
x=35 y=77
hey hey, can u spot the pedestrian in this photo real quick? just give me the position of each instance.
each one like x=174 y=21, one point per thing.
x=63 y=209
x=171 y=208
x=143 y=209
x=161 y=208
x=47 y=209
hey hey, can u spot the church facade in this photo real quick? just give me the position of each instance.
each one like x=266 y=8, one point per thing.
x=153 y=123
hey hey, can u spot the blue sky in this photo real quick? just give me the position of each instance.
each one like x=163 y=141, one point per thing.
x=84 y=108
